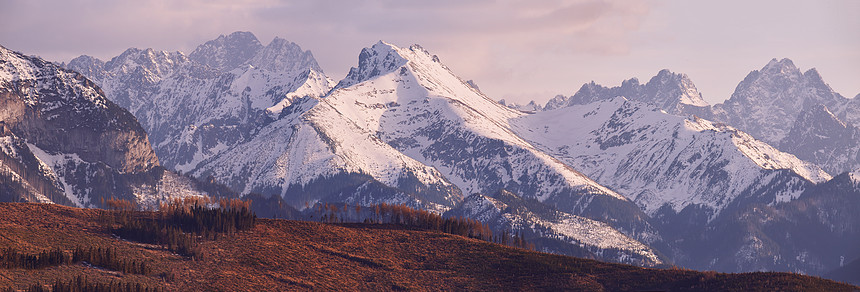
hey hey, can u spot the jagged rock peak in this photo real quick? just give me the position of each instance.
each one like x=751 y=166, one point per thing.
x=285 y=56
x=379 y=59
x=160 y=63
x=227 y=52
x=672 y=92
x=89 y=66
x=677 y=87
x=766 y=103
x=780 y=66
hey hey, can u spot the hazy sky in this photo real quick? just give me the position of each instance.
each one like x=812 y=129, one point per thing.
x=514 y=49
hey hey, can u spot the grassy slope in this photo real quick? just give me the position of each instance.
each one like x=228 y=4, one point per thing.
x=290 y=255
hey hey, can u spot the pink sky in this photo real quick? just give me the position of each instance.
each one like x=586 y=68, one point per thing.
x=515 y=49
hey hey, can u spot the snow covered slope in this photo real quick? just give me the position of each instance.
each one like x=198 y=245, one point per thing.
x=196 y=106
x=554 y=231
x=658 y=160
x=408 y=99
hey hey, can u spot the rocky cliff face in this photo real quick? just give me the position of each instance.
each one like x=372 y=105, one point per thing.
x=61 y=111
x=62 y=141
x=820 y=137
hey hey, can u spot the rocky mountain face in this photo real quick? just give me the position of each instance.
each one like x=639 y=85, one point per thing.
x=813 y=234
x=64 y=142
x=797 y=112
x=198 y=105
x=746 y=201
x=820 y=137
x=767 y=102
x=641 y=152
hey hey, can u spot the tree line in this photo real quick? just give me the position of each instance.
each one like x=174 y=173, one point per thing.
x=81 y=284
x=404 y=215
x=95 y=255
x=179 y=223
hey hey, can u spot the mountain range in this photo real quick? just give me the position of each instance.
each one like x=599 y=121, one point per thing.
x=648 y=174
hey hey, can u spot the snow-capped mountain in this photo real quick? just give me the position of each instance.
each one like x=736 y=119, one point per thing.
x=64 y=142
x=407 y=98
x=820 y=137
x=641 y=152
x=554 y=231
x=767 y=102
x=403 y=119
x=228 y=52
x=199 y=105
x=721 y=199
x=675 y=93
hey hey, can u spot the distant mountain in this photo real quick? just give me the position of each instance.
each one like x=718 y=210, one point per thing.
x=767 y=102
x=820 y=137
x=672 y=92
x=532 y=106
x=695 y=179
x=64 y=142
x=197 y=106
x=665 y=161
x=798 y=112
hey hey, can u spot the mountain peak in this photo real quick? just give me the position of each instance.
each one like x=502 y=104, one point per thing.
x=766 y=103
x=281 y=55
x=379 y=59
x=668 y=89
x=673 y=92
x=227 y=52
x=782 y=66
x=90 y=66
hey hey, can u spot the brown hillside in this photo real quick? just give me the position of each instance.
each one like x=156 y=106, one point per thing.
x=279 y=255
